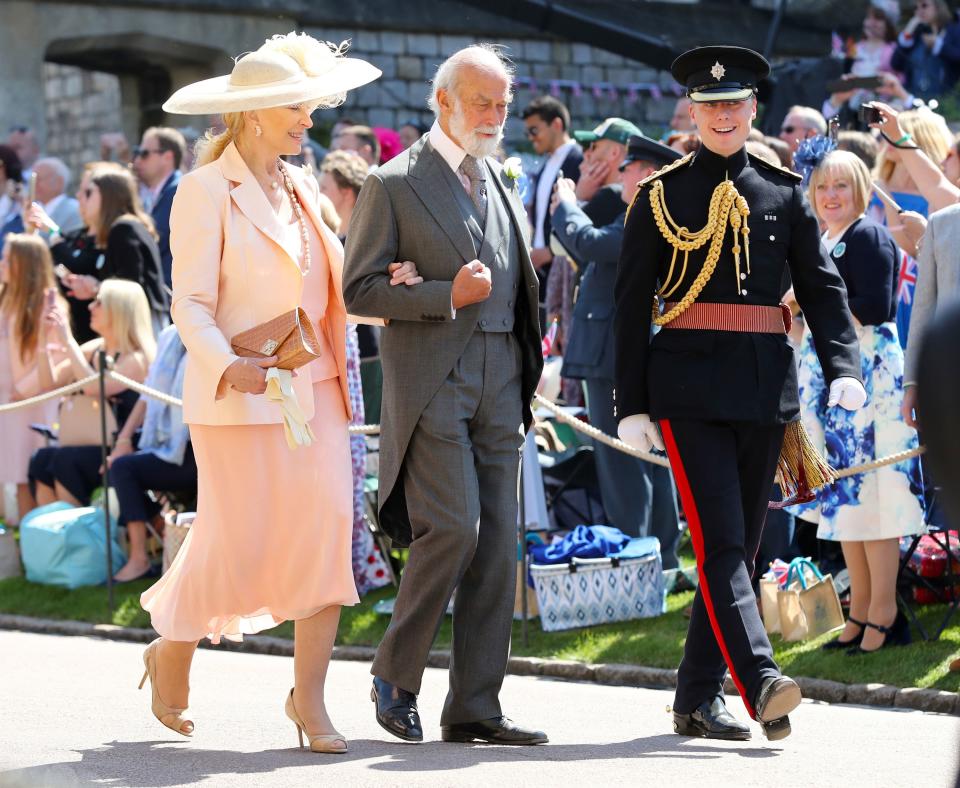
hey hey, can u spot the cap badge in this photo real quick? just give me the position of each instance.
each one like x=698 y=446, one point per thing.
x=718 y=71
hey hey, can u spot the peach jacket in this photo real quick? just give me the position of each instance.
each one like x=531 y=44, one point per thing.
x=231 y=272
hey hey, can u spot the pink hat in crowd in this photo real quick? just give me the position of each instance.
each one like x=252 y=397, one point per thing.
x=390 y=144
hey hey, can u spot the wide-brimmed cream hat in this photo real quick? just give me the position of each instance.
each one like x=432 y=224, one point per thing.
x=286 y=70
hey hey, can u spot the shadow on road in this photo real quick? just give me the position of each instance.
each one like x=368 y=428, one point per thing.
x=168 y=763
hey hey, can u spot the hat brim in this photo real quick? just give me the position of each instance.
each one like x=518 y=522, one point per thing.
x=217 y=95
x=702 y=96
x=586 y=136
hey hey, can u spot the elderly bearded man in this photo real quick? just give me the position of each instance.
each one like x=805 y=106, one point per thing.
x=461 y=358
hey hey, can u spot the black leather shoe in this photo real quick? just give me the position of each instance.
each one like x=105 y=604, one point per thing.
x=711 y=720
x=498 y=730
x=778 y=696
x=897 y=634
x=835 y=645
x=396 y=710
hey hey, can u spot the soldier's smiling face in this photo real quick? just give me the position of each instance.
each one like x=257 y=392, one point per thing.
x=724 y=125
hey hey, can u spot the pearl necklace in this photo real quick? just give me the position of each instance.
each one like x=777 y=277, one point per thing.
x=298 y=210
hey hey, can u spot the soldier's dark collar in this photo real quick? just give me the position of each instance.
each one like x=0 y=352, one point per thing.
x=729 y=166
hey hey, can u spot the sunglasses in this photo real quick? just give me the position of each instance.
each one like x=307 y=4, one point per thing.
x=788 y=129
x=19 y=129
x=88 y=192
x=532 y=131
x=144 y=153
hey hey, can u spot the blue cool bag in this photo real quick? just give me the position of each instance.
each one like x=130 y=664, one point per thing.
x=64 y=545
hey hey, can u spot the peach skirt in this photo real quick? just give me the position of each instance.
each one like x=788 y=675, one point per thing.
x=272 y=538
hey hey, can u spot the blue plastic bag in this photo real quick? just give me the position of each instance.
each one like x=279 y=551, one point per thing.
x=64 y=545
x=584 y=541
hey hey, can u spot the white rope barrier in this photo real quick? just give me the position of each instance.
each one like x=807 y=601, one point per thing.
x=374 y=429
x=55 y=394
x=598 y=435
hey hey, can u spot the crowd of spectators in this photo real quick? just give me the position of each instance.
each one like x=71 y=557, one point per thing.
x=93 y=271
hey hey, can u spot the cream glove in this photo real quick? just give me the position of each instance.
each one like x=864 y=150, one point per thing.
x=280 y=390
x=640 y=432
x=848 y=393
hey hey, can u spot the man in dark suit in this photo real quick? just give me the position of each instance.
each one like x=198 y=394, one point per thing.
x=157 y=164
x=547 y=122
x=710 y=236
x=461 y=358
x=638 y=497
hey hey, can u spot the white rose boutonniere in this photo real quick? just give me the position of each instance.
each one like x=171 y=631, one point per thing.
x=513 y=169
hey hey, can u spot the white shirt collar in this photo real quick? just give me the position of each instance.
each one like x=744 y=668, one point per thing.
x=451 y=153
x=51 y=206
x=548 y=176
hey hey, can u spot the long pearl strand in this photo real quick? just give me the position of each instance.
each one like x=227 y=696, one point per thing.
x=298 y=210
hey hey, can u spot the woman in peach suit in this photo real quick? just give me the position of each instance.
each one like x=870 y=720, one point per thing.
x=271 y=541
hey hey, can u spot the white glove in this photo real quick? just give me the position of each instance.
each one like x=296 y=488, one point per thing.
x=295 y=425
x=640 y=432
x=848 y=393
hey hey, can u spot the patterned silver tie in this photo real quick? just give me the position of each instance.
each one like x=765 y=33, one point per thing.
x=478 y=191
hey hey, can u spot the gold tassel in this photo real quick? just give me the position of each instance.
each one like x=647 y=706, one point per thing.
x=800 y=470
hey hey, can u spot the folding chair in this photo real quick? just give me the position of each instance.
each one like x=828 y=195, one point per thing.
x=574 y=470
x=944 y=586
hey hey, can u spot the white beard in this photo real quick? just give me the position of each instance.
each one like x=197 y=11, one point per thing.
x=475 y=145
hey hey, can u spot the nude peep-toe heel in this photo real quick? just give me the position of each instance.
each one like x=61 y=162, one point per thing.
x=172 y=718
x=333 y=743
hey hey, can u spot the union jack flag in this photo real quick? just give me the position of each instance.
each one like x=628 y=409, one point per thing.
x=546 y=344
x=906 y=279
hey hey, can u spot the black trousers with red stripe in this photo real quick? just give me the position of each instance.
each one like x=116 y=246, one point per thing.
x=724 y=472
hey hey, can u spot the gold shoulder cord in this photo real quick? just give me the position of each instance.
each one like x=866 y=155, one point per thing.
x=727 y=206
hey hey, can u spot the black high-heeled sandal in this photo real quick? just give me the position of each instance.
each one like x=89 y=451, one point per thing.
x=897 y=634
x=854 y=641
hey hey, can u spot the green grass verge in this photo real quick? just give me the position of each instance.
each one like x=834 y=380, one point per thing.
x=656 y=642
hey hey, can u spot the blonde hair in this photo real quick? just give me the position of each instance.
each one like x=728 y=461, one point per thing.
x=928 y=129
x=128 y=313
x=313 y=57
x=22 y=298
x=846 y=163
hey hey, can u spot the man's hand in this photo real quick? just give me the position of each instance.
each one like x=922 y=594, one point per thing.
x=471 y=285
x=908 y=408
x=248 y=375
x=640 y=432
x=848 y=393
x=592 y=177
x=541 y=256
x=564 y=190
x=404 y=273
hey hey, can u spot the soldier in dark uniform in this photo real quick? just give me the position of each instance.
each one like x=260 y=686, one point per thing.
x=705 y=245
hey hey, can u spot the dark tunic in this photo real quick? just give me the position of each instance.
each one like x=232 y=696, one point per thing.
x=722 y=375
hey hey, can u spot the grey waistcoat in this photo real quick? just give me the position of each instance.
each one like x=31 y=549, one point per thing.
x=497 y=247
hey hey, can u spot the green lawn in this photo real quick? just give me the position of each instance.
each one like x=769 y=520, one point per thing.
x=654 y=642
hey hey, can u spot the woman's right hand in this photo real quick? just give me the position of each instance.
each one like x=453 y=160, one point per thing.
x=248 y=375
x=888 y=125
x=37 y=217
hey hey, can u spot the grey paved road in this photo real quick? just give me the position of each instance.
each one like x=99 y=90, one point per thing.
x=70 y=715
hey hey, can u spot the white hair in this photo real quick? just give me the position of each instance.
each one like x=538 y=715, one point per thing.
x=483 y=56
x=57 y=165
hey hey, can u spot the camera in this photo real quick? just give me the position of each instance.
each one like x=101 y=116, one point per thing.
x=869 y=114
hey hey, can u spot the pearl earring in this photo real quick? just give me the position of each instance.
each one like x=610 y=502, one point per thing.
x=257 y=130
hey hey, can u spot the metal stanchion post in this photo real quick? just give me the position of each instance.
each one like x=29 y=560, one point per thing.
x=523 y=553
x=104 y=438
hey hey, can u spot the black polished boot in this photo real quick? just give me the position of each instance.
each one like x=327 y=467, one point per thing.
x=396 y=710
x=711 y=720
x=778 y=696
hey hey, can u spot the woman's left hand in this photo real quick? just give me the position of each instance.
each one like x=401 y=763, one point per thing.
x=404 y=273
x=81 y=287
x=56 y=324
